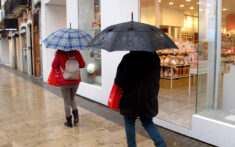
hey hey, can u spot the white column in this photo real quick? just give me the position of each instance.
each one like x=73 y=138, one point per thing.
x=218 y=52
x=210 y=34
x=207 y=32
x=72 y=13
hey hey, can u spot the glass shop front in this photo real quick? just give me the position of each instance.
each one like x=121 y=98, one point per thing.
x=198 y=78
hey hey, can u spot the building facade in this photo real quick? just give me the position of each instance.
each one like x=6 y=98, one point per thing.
x=210 y=114
x=20 y=27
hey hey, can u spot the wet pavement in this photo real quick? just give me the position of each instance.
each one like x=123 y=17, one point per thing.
x=31 y=114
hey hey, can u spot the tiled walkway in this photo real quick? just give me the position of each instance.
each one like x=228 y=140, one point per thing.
x=30 y=115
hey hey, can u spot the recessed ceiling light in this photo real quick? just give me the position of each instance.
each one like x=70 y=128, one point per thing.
x=191 y=8
x=171 y=3
x=188 y=0
x=224 y=9
x=181 y=6
x=159 y=1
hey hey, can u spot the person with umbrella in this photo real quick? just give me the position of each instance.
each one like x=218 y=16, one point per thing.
x=138 y=74
x=67 y=59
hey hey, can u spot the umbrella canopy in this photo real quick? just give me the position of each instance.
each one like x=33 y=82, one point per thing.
x=132 y=36
x=68 y=39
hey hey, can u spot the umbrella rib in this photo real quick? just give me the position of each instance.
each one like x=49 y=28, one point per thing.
x=79 y=39
x=69 y=41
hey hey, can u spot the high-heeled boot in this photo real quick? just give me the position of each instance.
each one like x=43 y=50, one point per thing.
x=76 y=117
x=68 y=123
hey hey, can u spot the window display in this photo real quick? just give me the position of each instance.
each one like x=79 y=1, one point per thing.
x=176 y=64
x=89 y=21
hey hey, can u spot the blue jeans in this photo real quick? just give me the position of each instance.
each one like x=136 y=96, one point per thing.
x=148 y=125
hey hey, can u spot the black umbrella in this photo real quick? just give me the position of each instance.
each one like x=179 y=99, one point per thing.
x=132 y=36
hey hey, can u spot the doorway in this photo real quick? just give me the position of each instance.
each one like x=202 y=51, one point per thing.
x=15 y=51
x=30 y=52
x=24 y=49
x=36 y=46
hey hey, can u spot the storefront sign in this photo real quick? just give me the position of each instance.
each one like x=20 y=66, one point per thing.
x=11 y=24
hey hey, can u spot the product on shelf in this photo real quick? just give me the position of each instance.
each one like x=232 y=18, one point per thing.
x=184 y=46
x=172 y=60
x=176 y=62
x=166 y=61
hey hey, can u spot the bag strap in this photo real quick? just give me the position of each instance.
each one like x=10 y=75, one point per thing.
x=61 y=69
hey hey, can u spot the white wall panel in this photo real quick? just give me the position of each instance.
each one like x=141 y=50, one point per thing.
x=53 y=18
x=213 y=132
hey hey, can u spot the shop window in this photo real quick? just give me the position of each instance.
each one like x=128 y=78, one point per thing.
x=89 y=21
x=178 y=82
x=216 y=93
x=226 y=95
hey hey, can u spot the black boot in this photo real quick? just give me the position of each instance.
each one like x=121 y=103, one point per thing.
x=76 y=118
x=69 y=122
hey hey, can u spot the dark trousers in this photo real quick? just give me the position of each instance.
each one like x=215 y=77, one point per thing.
x=148 y=125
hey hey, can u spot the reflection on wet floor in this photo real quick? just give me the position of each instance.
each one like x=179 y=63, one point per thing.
x=177 y=106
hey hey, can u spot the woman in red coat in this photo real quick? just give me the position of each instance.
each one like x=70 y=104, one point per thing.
x=68 y=87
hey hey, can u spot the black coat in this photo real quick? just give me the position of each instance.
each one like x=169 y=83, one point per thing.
x=138 y=76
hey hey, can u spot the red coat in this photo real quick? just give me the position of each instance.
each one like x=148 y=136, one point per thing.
x=60 y=60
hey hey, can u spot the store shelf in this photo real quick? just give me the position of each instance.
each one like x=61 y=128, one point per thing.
x=174 y=65
x=172 y=81
x=175 y=78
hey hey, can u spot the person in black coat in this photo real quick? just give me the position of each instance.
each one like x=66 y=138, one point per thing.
x=138 y=76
